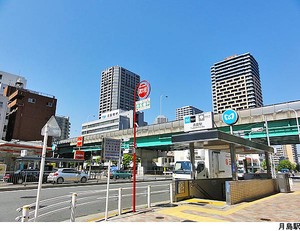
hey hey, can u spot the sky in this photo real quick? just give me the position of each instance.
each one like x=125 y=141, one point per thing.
x=62 y=46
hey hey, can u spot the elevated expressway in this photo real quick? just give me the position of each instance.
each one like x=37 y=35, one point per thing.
x=276 y=122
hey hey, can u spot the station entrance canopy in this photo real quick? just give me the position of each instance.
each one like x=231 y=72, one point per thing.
x=218 y=140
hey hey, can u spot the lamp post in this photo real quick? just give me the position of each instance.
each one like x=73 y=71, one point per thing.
x=160 y=108
x=273 y=172
x=296 y=115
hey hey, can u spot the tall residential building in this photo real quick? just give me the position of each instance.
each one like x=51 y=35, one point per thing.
x=236 y=84
x=117 y=89
x=187 y=110
x=64 y=124
x=30 y=111
x=7 y=79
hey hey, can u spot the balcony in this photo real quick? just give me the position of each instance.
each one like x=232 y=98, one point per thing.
x=16 y=95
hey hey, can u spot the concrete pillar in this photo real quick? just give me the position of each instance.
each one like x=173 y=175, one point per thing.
x=267 y=158
x=192 y=158
x=233 y=162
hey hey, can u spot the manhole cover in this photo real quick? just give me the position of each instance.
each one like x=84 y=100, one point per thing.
x=187 y=221
x=159 y=218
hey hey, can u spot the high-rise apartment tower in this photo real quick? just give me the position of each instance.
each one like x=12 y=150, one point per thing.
x=117 y=89
x=187 y=110
x=236 y=84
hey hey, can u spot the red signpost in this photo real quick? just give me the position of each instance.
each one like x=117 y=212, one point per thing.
x=143 y=89
x=79 y=141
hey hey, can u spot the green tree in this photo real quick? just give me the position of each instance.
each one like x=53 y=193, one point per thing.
x=285 y=164
x=264 y=164
x=127 y=158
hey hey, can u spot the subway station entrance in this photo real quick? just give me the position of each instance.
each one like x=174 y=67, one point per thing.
x=232 y=190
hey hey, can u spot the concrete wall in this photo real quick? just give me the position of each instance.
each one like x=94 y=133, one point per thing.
x=246 y=190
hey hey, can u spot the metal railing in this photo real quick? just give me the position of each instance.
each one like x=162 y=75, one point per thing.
x=72 y=202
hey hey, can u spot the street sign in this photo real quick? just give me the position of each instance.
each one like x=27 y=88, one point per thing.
x=79 y=141
x=230 y=117
x=53 y=128
x=198 y=122
x=144 y=89
x=142 y=104
x=111 y=148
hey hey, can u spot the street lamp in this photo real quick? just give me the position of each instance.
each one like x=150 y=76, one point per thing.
x=260 y=129
x=273 y=172
x=296 y=115
x=160 y=112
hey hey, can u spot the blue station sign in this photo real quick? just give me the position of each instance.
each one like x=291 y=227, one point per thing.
x=230 y=117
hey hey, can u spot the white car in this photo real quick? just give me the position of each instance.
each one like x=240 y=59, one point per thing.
x=67 y=175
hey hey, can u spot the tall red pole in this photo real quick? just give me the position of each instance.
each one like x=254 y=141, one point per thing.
x=134 y=152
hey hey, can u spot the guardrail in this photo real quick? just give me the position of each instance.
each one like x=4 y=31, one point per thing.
x=72 y=202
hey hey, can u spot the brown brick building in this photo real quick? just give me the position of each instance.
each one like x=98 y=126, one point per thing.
x=30 y=111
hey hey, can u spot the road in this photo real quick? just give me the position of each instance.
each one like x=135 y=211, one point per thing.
x=55 y=202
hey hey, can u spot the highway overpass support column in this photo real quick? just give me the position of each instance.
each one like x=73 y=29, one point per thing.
x=147 y=157
x=267 y=158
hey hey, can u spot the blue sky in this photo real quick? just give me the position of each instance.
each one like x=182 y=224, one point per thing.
x=61 y=47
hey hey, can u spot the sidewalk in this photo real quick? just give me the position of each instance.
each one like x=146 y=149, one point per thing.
x=281 y=207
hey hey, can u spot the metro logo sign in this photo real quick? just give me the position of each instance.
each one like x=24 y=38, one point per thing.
x=144 y=89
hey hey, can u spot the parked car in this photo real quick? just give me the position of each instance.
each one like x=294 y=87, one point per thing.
x=25 y=175
x=67 y=175
x=120 y=174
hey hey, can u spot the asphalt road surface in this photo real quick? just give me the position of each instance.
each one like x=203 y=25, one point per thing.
x=91 y=199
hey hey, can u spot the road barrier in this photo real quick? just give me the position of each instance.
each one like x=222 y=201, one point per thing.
x=72 y=202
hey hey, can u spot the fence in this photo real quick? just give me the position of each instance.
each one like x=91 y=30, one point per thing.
x=72 y=202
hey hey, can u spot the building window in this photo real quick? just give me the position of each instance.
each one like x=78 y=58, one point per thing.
x=31 y=100
x=49 y=104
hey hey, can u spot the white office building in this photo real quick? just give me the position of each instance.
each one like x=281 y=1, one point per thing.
x=112 y=121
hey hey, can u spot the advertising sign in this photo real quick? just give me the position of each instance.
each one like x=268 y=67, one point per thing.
x=79 y=155
x=196 y=122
